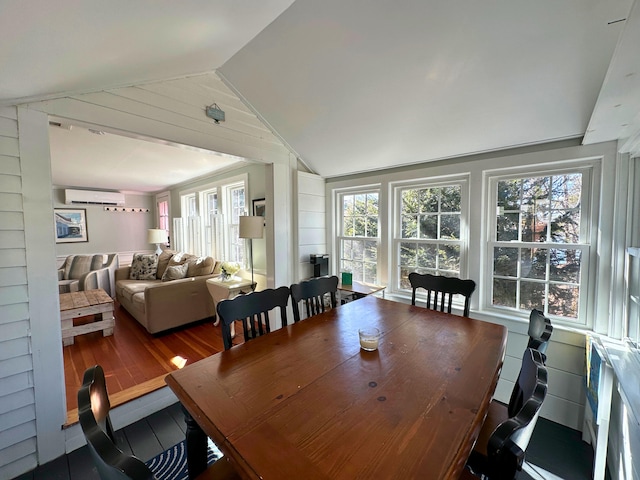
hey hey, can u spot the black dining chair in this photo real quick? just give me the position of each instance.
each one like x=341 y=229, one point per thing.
x=505 y=434
x=441 y=289
x=253 y=310
x=540 y=330
x=111 y=462
x=314 y=294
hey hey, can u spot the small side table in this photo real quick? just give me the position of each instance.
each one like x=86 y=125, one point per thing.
x=361 y=289
x=227 y=289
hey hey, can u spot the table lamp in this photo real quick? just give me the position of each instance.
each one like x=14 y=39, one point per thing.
x=157 y=236
x=251 y=227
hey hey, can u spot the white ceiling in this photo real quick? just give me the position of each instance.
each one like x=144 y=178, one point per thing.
x=82 y=157
x=350 y=86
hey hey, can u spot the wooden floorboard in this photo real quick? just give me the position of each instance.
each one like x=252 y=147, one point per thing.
x=134 y=361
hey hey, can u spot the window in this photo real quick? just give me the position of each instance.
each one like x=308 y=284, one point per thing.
x=212 y=238
x=429 y=231
x=359 y=235
x=539 y=243
x=210 y=221
x=235 y=207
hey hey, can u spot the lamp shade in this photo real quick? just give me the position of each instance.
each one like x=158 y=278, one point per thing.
x=251 y=227
x=156 y=235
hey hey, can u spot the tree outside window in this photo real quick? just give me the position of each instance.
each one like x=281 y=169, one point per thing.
x=359 y=239
x=538 y=247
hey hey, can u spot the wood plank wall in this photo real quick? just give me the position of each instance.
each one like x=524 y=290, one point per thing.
x=17 y=398
x=311 y=221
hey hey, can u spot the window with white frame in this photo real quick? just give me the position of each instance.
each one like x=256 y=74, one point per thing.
x=210 y=220
x=358 y=237
x=430 y=231
x=539 y=243
x=234 y=207
x=210 y=207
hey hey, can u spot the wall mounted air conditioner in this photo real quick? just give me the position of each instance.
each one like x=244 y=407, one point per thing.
x=93 y=197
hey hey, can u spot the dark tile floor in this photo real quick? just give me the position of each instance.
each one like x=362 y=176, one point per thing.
x=558 y=450
x=553 y=449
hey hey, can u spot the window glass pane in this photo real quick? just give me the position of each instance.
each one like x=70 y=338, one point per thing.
x=504 y=292
x=449 y=257
x=450 y=199
x=450 y=226
x=347 y=250
x=509 y=194
x=347 y=226
x=408 y=253
x=429 y=226
x=563 y=300
x=370 y=272
x=508 y=227
x=505 y=261
x=534 y=263
x=427 y=256
x=404 y=278
x=372 y=227
x=531 y=295
x=370 y=251
x=429 y=200
x=564 y=265
x=372 y=205
x=410 y=202
x=566 y=191
x=409 y=226
x=565 y=226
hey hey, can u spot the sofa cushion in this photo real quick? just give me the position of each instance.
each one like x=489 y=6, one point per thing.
x=143 y=266
x=175 y=272
x=163 y=262
x=129 y=288
x=200 y=266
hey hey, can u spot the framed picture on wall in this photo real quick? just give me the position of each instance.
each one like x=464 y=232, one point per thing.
x=259 y=208
x=71 y=225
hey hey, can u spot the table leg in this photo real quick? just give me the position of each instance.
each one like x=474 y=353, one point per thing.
x=196 y=442
x=105 y=317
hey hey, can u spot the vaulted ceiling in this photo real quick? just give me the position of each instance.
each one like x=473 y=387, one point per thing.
x=354 y=86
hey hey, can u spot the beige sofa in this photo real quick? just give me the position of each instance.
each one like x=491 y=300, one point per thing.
x=162 y=305
x=86 y=272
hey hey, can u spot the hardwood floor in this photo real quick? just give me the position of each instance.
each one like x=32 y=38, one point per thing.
x=134 y=361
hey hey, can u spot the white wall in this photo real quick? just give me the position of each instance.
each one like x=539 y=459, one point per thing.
x=124 y=233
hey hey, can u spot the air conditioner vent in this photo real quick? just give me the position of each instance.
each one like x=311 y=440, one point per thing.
x=93 y=197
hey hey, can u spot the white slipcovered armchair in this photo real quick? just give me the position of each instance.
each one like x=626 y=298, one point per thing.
x=87 y=272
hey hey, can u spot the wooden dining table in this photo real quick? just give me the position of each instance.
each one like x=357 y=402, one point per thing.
x=305 y=402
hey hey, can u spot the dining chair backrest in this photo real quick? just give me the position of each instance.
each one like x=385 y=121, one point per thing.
x=313 y=294
x=441 y=289
x=93 y=409
x=540 y=330
x=508 y=442
x=253 y=310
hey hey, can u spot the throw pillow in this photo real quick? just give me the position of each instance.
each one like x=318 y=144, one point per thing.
x=200 y=266
x=163 y=262
x=143 y=266
x=175 y=272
